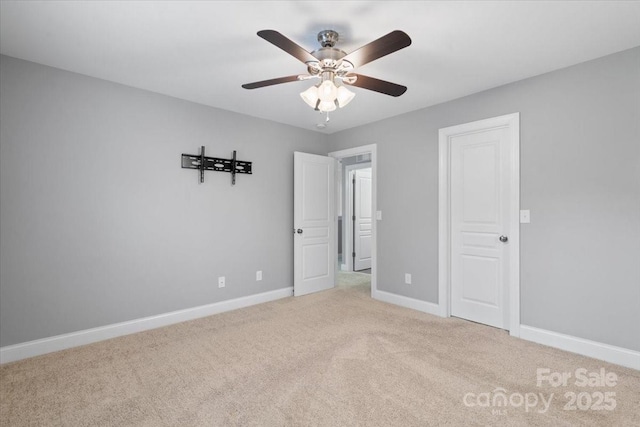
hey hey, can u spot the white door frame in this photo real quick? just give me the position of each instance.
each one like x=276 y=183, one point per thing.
x=512 y=121
x=350 y=152
x=347 y=226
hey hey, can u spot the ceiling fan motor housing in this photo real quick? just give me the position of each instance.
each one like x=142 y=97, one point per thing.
x=329 y=57
x=328 y=38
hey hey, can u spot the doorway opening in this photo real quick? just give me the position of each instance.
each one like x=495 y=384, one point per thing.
x=356 y=217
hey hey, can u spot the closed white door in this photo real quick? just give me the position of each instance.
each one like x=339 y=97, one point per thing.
x=480 y=220
x=314 y=225
x=363 y=218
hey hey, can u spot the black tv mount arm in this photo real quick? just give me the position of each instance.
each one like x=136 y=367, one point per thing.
x=202 y=163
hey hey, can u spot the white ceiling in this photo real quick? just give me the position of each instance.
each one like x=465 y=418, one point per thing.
x=204 y=51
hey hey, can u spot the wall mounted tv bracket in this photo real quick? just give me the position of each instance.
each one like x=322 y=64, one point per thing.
x=202 y=163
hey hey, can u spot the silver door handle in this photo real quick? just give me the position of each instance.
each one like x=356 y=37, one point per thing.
x=504 y=239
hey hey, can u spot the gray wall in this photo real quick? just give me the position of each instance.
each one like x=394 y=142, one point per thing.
x=580 y=176
x=100 y=224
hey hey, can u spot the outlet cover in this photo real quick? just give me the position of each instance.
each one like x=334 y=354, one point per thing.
x=407 y=278
x=221 y=282
x=258 y=275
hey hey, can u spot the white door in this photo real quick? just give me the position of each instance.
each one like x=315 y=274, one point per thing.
x=480 y=224
x=313 y=222
x=363 y=219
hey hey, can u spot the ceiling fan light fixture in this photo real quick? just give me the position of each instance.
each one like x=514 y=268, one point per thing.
x=344 y=96
x=327 y=91
x=326 y=106
x=310 y=96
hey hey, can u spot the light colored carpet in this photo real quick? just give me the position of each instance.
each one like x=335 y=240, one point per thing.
x=336 y=358
x=360 y=282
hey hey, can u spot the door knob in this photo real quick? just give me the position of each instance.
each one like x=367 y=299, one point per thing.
x=504 y=239
x=299 y=231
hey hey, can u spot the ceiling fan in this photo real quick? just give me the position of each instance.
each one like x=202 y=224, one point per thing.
x=332 y=65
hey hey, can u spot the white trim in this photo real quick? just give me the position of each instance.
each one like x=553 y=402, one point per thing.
x=347 y=222
x=512 y=121
x=608 y=353
x=350 y=152
x=424 y=306
x=514 y=233
x=61 y=342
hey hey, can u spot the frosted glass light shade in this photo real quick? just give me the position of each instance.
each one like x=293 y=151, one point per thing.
x=326 y=106
x=327 y=91
x=310 y=96
x=344 y=96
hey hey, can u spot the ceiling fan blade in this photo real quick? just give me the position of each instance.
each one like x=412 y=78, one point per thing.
x=287 y=45
x=383 y=46
x=378 y=85
x=271 y=82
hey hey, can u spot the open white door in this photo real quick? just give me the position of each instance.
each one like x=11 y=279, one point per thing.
x=314 y=223
x=363 y=219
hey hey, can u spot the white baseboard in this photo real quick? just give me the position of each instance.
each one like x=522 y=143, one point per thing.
x=424 y=306
x=61 y=342
x=608 y=353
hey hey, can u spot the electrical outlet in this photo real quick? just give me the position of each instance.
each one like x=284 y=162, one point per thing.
x=407 y=278
x=258 y=275
x=221 y=282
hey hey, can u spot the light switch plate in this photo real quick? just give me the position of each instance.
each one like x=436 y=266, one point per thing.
x=525 y=216
x=379 y=215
